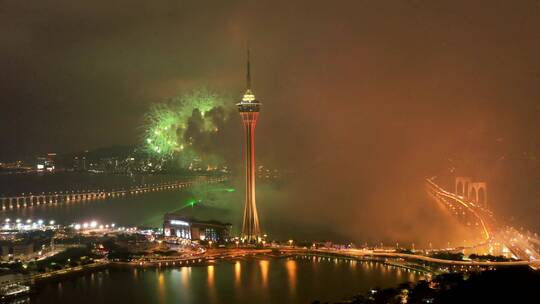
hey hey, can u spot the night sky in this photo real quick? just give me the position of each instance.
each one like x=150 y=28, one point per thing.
x=361 y=99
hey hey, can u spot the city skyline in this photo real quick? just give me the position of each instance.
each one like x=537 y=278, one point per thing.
x=397 y=158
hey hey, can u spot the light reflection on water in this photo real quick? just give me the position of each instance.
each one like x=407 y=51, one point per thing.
x=291 y=274
x=185 y=273
x=211 y=283
x=210 y=275
x=301 y=279
x=264 y=272
x=237 y=273
x=161 y=285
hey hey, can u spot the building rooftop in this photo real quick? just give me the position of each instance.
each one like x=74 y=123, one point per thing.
x=194 y=220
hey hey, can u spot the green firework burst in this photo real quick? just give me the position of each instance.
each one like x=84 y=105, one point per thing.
x=176 y=128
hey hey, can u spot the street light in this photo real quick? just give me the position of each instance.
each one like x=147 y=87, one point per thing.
x=210 y=244
x=290 y=242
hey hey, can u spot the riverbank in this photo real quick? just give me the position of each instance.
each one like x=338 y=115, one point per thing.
x=215 y=256
x=257 y=278
x=211 y=257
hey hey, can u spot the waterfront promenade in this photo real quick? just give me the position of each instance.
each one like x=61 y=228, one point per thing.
x=212 y=256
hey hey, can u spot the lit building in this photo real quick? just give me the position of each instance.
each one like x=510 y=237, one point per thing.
x=249 y=109
x=47 y=163
x=17 y=250
x=79 y=163
x=176 y=225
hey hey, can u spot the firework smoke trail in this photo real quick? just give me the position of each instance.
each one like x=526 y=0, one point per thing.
x=184 y=127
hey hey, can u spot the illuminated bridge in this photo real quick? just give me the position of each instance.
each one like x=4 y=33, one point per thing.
x=53 y=198
x=469 y=205
x=467 y=210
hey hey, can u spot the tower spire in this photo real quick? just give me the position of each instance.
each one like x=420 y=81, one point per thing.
x=248 y=74
x=248 y=96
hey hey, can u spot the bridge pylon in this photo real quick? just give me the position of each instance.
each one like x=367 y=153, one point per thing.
x=470 y=190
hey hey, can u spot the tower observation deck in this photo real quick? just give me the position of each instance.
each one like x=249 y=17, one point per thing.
x=249 y=109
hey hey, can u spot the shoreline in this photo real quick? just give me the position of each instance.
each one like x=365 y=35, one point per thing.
x=217 y=256
x=60 y=275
